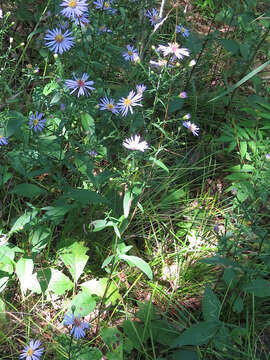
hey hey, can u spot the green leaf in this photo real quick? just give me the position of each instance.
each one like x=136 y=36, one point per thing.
x=40 y=238
x=86 y=196
x=111 y=336
x=75 y=259
x=15 y=121
x=260 y=288
x=54 y=280
x=28 y=190
x=88 y=123
x=163 y=332
x=185 y=355
x=243 y=148
x=24 y=270
x=211 y=305
x=175 y=104
x=242 y=81
x=23 y=220
x=50 y=87
x=84 y=304
x=98 y=287
x=159 y=163
x=198 y=334
x=137 y=333
x=3 y=317
x=87 y=353
x=230 y=45
x=140 y=263
x=127 y=203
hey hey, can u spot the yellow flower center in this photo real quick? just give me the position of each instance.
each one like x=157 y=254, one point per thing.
x=127 y=101
x=107 y=4
x=110 y=106
x=130 y=53
x=183 y=29
x=59 y=38
x=30 y=352
x=72 y=3
x=35 y=122
x=1 y=136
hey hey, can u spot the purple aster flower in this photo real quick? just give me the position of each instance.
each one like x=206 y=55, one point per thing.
x=125 y=104
x=267 y=156
x=153 y=16
x=173 y=49
x=134 y=143
x=92 y=153
x=131 y=53
x=106 y=104
x=74 y=8
x=62 y=107
x=104 y=5
x=36 y=122
x=32 y=351
x=58 y=41
x=192 y=127
x=180 y=29
x=183 y=95
x=103 y=29
x=140 y=88
x=82 y=20
x=3 y=140
x=80 y=84
x=78 y=326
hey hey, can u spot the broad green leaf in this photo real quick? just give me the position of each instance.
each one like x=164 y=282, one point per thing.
x=243 y=148
x=24 y=270
x=163 y=332
x=211 y=305
x=88 y=123
x=54 y=280
x=84 y=304
x=173 y=197
x=39 y=238
x=127 y=203
x=175 y=104
x=28 y=190
x=23 y=220
x=3 y=317
x=238 y=305
x=86 y=196
x=185 y=355
x=87 y=353
x=259 y=287
x=34 y=285
x=50 y=87
x=242 y=81
x=147 y=312
x=198 y=334
x=140 y=263
x=223 y=340
x=159 y=163
x=230 y=45
x=137 y=333
x=75 y=259
x=15 y=121
x=111 y=336
x=98 y=287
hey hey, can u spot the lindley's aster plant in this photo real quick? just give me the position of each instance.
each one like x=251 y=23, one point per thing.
x=58 y=41
x=135 y=143
x=81 y=84
x=153 y=16
x=78 y=326
x=37 y=122
x=125 y=104
x=32 y=351
x=106 y=104
x=74 y=8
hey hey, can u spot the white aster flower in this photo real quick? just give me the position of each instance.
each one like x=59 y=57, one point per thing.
x=173 y=49
x=125 y=104
x=133 y=143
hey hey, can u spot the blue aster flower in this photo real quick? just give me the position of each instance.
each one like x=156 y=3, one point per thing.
x=80 y=84
x=183 y=31
x=78 y=326
x=103 y=29
x=36 y=122
x=106 y=104
x=32 y=351
x=140 y=88
x=125 y=104
x=57 y=41
x=153 y=16
x=131 y=53
x=82 y=20
x=3 y=140
x=74 y=8
x=104 y=5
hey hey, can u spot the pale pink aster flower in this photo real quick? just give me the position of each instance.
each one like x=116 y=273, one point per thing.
x=173 y=49
x=192 y=127
x=134 y=143
x=140 y=88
